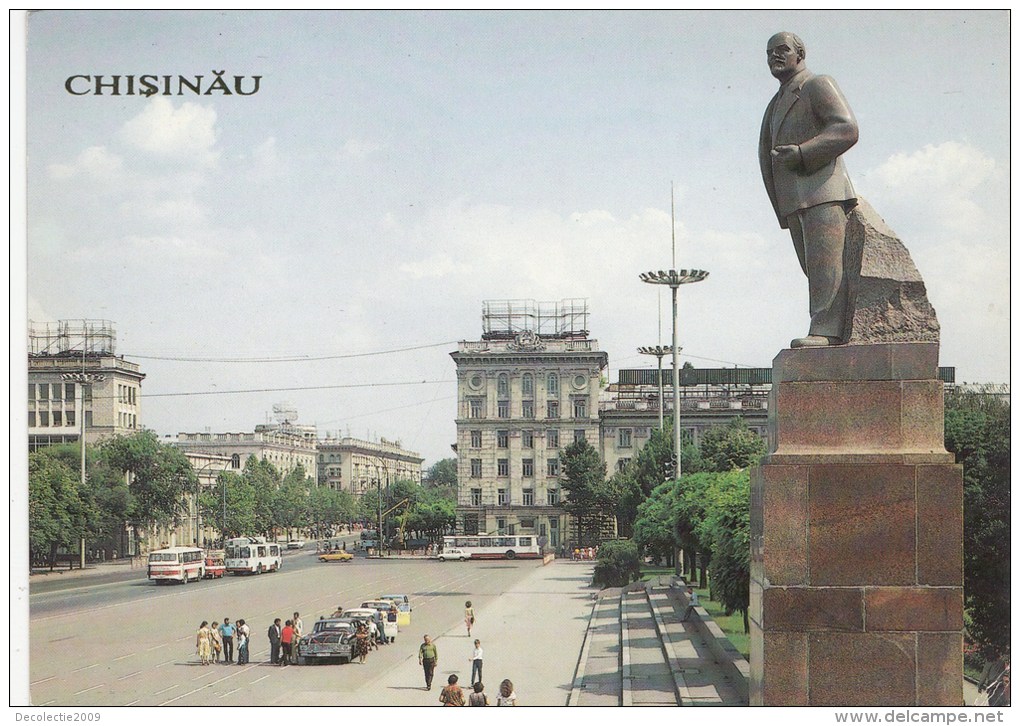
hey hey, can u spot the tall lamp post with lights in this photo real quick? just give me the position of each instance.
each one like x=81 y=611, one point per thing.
x=83 y=379
x=675 y=278
x=659 y=352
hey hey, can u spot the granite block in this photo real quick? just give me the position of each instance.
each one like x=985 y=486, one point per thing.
x=940 y=669
x=803 y=609
x=940 y=525
x=861 y=669
x=785 y=659
x=911 y=609
x=874 y=362
x=785 y=535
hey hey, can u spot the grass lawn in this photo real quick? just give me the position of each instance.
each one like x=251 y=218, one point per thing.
x=649 y=572
x=732 y=625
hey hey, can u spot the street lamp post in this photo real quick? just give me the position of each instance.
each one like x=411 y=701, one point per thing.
x=675 y=278
x=82 y=379
x=659 y=352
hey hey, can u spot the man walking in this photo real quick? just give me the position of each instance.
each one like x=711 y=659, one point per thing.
x=243 y=634
x=275 y=634
x=428 y=657
x=476 y=663
x=227 y=633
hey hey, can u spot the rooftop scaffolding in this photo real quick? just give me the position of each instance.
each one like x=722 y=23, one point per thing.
x=505 y=319
x=95 y=337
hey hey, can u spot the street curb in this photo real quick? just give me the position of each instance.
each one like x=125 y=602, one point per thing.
x=682 y=692
x=575 y=690
x=626 y=675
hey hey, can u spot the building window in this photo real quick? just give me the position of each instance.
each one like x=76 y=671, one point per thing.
x=476 y=439
x=31 y=391
x=477 y=407
x=580 y=408
x=527 y=468
x=528 y=439
x=622 y=464
x=56 y=419
x=44 y=418
x=552 y=409
x=58 y=391
x=553 y=466
x=476 y=468
x=88 y=418
x=504 y=497
x=529 y=523
x=503 y=384
x=235 y=461
x=552 y=384
x=579 y=435
x=553 y=496
x=476 y=497
x=527 y=409
x=31 y=419
x=500 y=525
x=624 y=438
x=44 y=391
x=503 y=409
x=503 y=467
x=511 y=529
x=527 y=385
x=69 y=417
x=471 y=524
x=529 y=498
x=552 y=439
x=69 y=391
x=502 y=439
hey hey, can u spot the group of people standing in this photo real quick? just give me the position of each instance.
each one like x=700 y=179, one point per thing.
x=584 y=553
x=452 y=694
x=215 y=643
x=283 y=640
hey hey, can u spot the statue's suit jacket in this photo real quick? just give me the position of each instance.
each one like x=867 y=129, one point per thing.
x=814 y=115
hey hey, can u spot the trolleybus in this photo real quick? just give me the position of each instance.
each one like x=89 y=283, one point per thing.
x=491 y=547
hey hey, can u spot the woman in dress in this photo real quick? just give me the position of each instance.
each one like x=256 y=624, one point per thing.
x=361 y=643
x=469 y=616
x=216 y=640
x=452 y=695
x=203 y=642
x=506 y=696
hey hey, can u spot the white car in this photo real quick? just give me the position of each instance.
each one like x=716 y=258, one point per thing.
x=296 y=544
x=453 y=554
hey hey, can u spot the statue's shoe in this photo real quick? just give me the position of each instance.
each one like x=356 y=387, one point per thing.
x=813 y=341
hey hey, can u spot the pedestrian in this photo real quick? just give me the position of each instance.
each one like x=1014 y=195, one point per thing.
x=428 y=658
x=227 y=632
x=243 y=634
x=203 y=643
x=452 y=695
x=576 y=555
x=275 y=634
x=339 y=612
x=591 y=553
x=299 y=629
x=478 y=698
x=476 y=662
x=372 y=641
x=361 y=643
x=287 y=641
x=469 y=616
x=217 y=641
x=692 y=602
x=507 y=696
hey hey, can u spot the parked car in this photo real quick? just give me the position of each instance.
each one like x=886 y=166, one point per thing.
x=296 y=544
x=453 y=554
x=330 y=638
x=373 y=614
x=403 y=608
x=383 y=608
x=215 y=566
x=340 y=556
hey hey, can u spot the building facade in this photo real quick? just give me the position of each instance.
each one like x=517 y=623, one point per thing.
x=75 y=378
x=356 y=465
x=281 y=447
x=525 y=391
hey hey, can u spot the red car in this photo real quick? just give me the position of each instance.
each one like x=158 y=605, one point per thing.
x=214 y=567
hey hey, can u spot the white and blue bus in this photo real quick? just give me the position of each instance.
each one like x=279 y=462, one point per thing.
x=490 y=547
x=252 y=555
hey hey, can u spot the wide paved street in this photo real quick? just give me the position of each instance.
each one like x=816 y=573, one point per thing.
x=131 y=642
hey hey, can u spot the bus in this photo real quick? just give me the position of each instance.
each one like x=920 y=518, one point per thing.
x=493 y=547
x=177 y=564
x=252 y=556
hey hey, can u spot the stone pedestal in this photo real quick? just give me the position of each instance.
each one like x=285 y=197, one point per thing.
x=857 y=534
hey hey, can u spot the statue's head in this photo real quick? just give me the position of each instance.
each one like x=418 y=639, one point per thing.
x=785 y=53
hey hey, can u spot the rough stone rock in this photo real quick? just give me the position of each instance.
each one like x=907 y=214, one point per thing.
x=888 y=302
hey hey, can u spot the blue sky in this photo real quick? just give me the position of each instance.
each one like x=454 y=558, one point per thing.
x=398 y=168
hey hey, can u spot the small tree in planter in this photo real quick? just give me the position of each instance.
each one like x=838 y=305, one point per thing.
x=618 y=564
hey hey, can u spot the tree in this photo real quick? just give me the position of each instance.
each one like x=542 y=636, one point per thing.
x=977 y=431
x=588 y=497
x=158 y=476
x=733 y=446
x=618 y=564
x=727 y=530
x=264 y=479
x=290 y=501
x=58 y=513
x=442 y=473
x=239 y=494
x=655 y=528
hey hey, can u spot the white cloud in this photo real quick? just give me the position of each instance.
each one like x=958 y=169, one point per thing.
x=187 y=133
x=96 y=162
x=950 y=167
x=358 y=148
x=438 y=265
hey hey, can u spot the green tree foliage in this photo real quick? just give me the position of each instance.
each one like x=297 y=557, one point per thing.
x=58 y=510
x=655 y=528
x=290 y=500
x=239 y=495
x=977 y=431
x=726 y=528
x=734 y=446
x=590 y=499
x=265 y=480
x=442 y=474
x=158 y=475
x=618 y=564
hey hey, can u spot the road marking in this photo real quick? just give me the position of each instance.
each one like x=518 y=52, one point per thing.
x=259 y=679
x=207 y=685
x=133 y=702
x=129 y=655
x=229 y=692
x=85 y=668
x=86 y=690
x=128 y=675
x=163 y=663
x=202 y=675
x=157 y=647
x=34 y=683
x=176 y=685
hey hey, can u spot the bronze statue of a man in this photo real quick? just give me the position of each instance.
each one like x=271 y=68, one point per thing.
x=807 y=126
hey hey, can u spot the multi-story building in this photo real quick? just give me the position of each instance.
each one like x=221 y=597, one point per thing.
x=75 y=377
x=525 y=391
x=356 y=465
x=279 y=445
